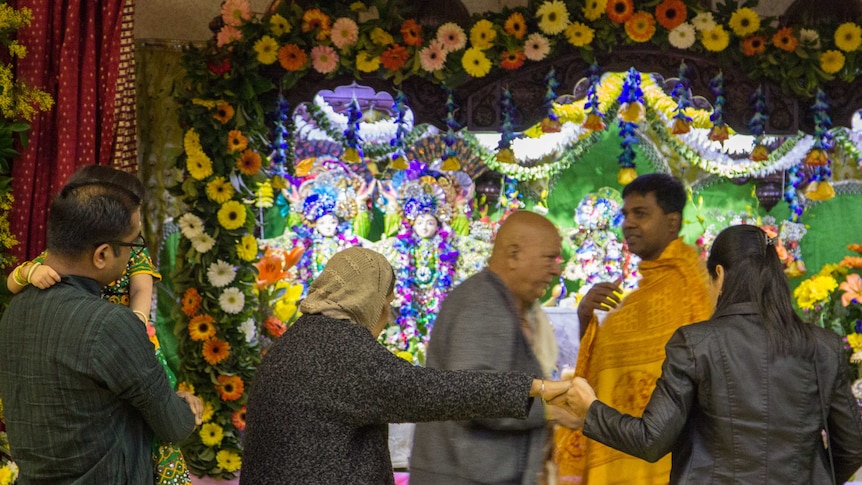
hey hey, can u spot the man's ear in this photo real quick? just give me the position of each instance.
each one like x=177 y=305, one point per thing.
x=675 y=220
x=100 y=255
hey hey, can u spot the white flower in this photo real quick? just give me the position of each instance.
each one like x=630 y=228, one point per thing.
x=249 y=329
x=809 y=38
x=683 y=36
x=221 y=273
x=231 y=300
x=452 y=36
x=703 y=21
x=536 y=47
x=191 y=225
x=202 y=242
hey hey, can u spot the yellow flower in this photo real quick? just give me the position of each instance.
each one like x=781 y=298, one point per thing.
x=279 y=25
x=267 y=50
x=832 y=61
x=228 y=460
x=634 y=112
x=5 y=475
x=246 y=250
x=579 y=34
x=848 y=37
x=231 y=215
x=820 y=190
x=626 y=175
x=186 y=386
x=855 y=341
x=192 y=141
x=716 y=39
x=553 y=17
x=403 y=354
x=475 y=63
x=208 y=412
x=381 y=37
x=814 y=291
x=264 y=195
x=515 y=25
x=211 y=434
x=594 y=9
x=219 y=190
x=744 y=21
x=284 y=310
x=366 y=63
x=199 y=165
x=482 y=35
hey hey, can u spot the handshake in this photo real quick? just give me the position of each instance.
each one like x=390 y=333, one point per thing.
x=571 y=398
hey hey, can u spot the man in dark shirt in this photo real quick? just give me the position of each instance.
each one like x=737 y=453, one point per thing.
x=83 y=392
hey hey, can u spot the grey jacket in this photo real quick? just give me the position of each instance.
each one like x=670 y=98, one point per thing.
x=731 y=414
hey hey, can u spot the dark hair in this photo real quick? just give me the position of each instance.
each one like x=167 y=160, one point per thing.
x=101 y=174
x=669 y=192
x=753 y=273
x=84 y=216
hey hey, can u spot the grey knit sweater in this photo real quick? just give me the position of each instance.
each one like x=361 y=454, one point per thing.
x=322 y=398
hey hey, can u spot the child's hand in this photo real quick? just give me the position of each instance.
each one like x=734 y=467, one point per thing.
x=43 y=277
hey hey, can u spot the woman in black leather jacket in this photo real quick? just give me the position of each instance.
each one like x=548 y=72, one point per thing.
x=743 y=396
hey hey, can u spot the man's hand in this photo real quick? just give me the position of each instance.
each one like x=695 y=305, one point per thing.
x=564 y=418
x=195 y=405
x=579 y=397
x=602 y=296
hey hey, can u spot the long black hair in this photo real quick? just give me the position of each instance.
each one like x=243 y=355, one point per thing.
x=753 y=273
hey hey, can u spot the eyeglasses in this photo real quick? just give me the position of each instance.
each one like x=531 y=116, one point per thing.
x=138 y=245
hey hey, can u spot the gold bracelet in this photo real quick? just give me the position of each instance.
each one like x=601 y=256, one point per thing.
x=30 y=273
x=16 y=276
x=542 y=391
x=143 y=317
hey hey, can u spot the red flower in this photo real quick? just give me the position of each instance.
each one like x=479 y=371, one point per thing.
x=274 y=326
x=412 y=32
x=513 y=59
x=619 y=11
x=220 y=67
x=394 y=57
x=755 y=44
x=671 y=13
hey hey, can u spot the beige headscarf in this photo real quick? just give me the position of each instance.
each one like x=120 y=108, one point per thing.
x=354 y=286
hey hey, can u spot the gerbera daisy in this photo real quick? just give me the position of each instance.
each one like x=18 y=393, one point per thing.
x=809 y=38
x=433 y=56
x=234 y=12
x=211 y=434
x=246 y=249
x=476 y=63
x=553 y=17
x=394 y=57
x=683 y=36
x=224 y=112
x=452 y=36
x=853 y=262
x=230 y=388
x=536 y=47
x=199 y=166
x=482 y=35
x=640 y=27
x=274 y=326
x=594 y=9
x=190 y=225
x=715 y=40
x=512 y=59
x=237 y=418
x=202 y=242
x=267 y=50
x=232 y=300
x=756 y=44
x=785 y=40
x=208 y=411
x=291 y=57
x=231 y=215
x=236 y=141
x=228 y=460
x=221 y=273
x=744 y=21
x=315 y=19
x=215 y=351
x=192 y=141
x=186 y=386
x=832 y=61
x=579 y=34
x=619 y=11
x=191 y=302
x=411 y=32
x=227 y=34
x=219 y=190
x=201 y=327
x=380 y=37
x=703 y=21
x=515 y=26
x=848 y=37
x=279 y=25
x=671 y=13
x=365 y=62
x=345 y=32
x=324 y=59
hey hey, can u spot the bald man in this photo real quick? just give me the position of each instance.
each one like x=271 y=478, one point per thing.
x=492 y=322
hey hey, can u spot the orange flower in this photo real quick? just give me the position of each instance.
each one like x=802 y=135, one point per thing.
x=640 y=27
x=249 y=162
x=515 y=25
x=594 y=122
x=291 y=57
x=785 y=40
x=224 y=112
x=215 y=351
x=230 y=388
x=755 y=44
x=851 y=262
x=270 y=269
x=412 y=32
x=620 y=11
x=292 y=257
x=315 y=19
x=855 y=247
x=513 y=59
x=852 y=287
x=191 y=302
x=670 y=14
x=238 y=418
x=201 y=327
x=274 y=326
x=394 y=57
x=236 y=141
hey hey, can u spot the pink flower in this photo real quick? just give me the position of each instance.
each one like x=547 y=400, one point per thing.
x=234 y=12
x=433 y=57
x=228 y=34
x=536 y=47
x=452 y=37
x=324 y=59
x=345 y=32
x=852 y=290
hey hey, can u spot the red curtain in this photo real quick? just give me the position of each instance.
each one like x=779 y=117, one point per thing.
x=75 y=54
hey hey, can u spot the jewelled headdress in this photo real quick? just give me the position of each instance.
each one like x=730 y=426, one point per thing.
x=330 y=188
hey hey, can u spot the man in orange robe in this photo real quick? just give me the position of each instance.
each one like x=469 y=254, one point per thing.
x=621 y=357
